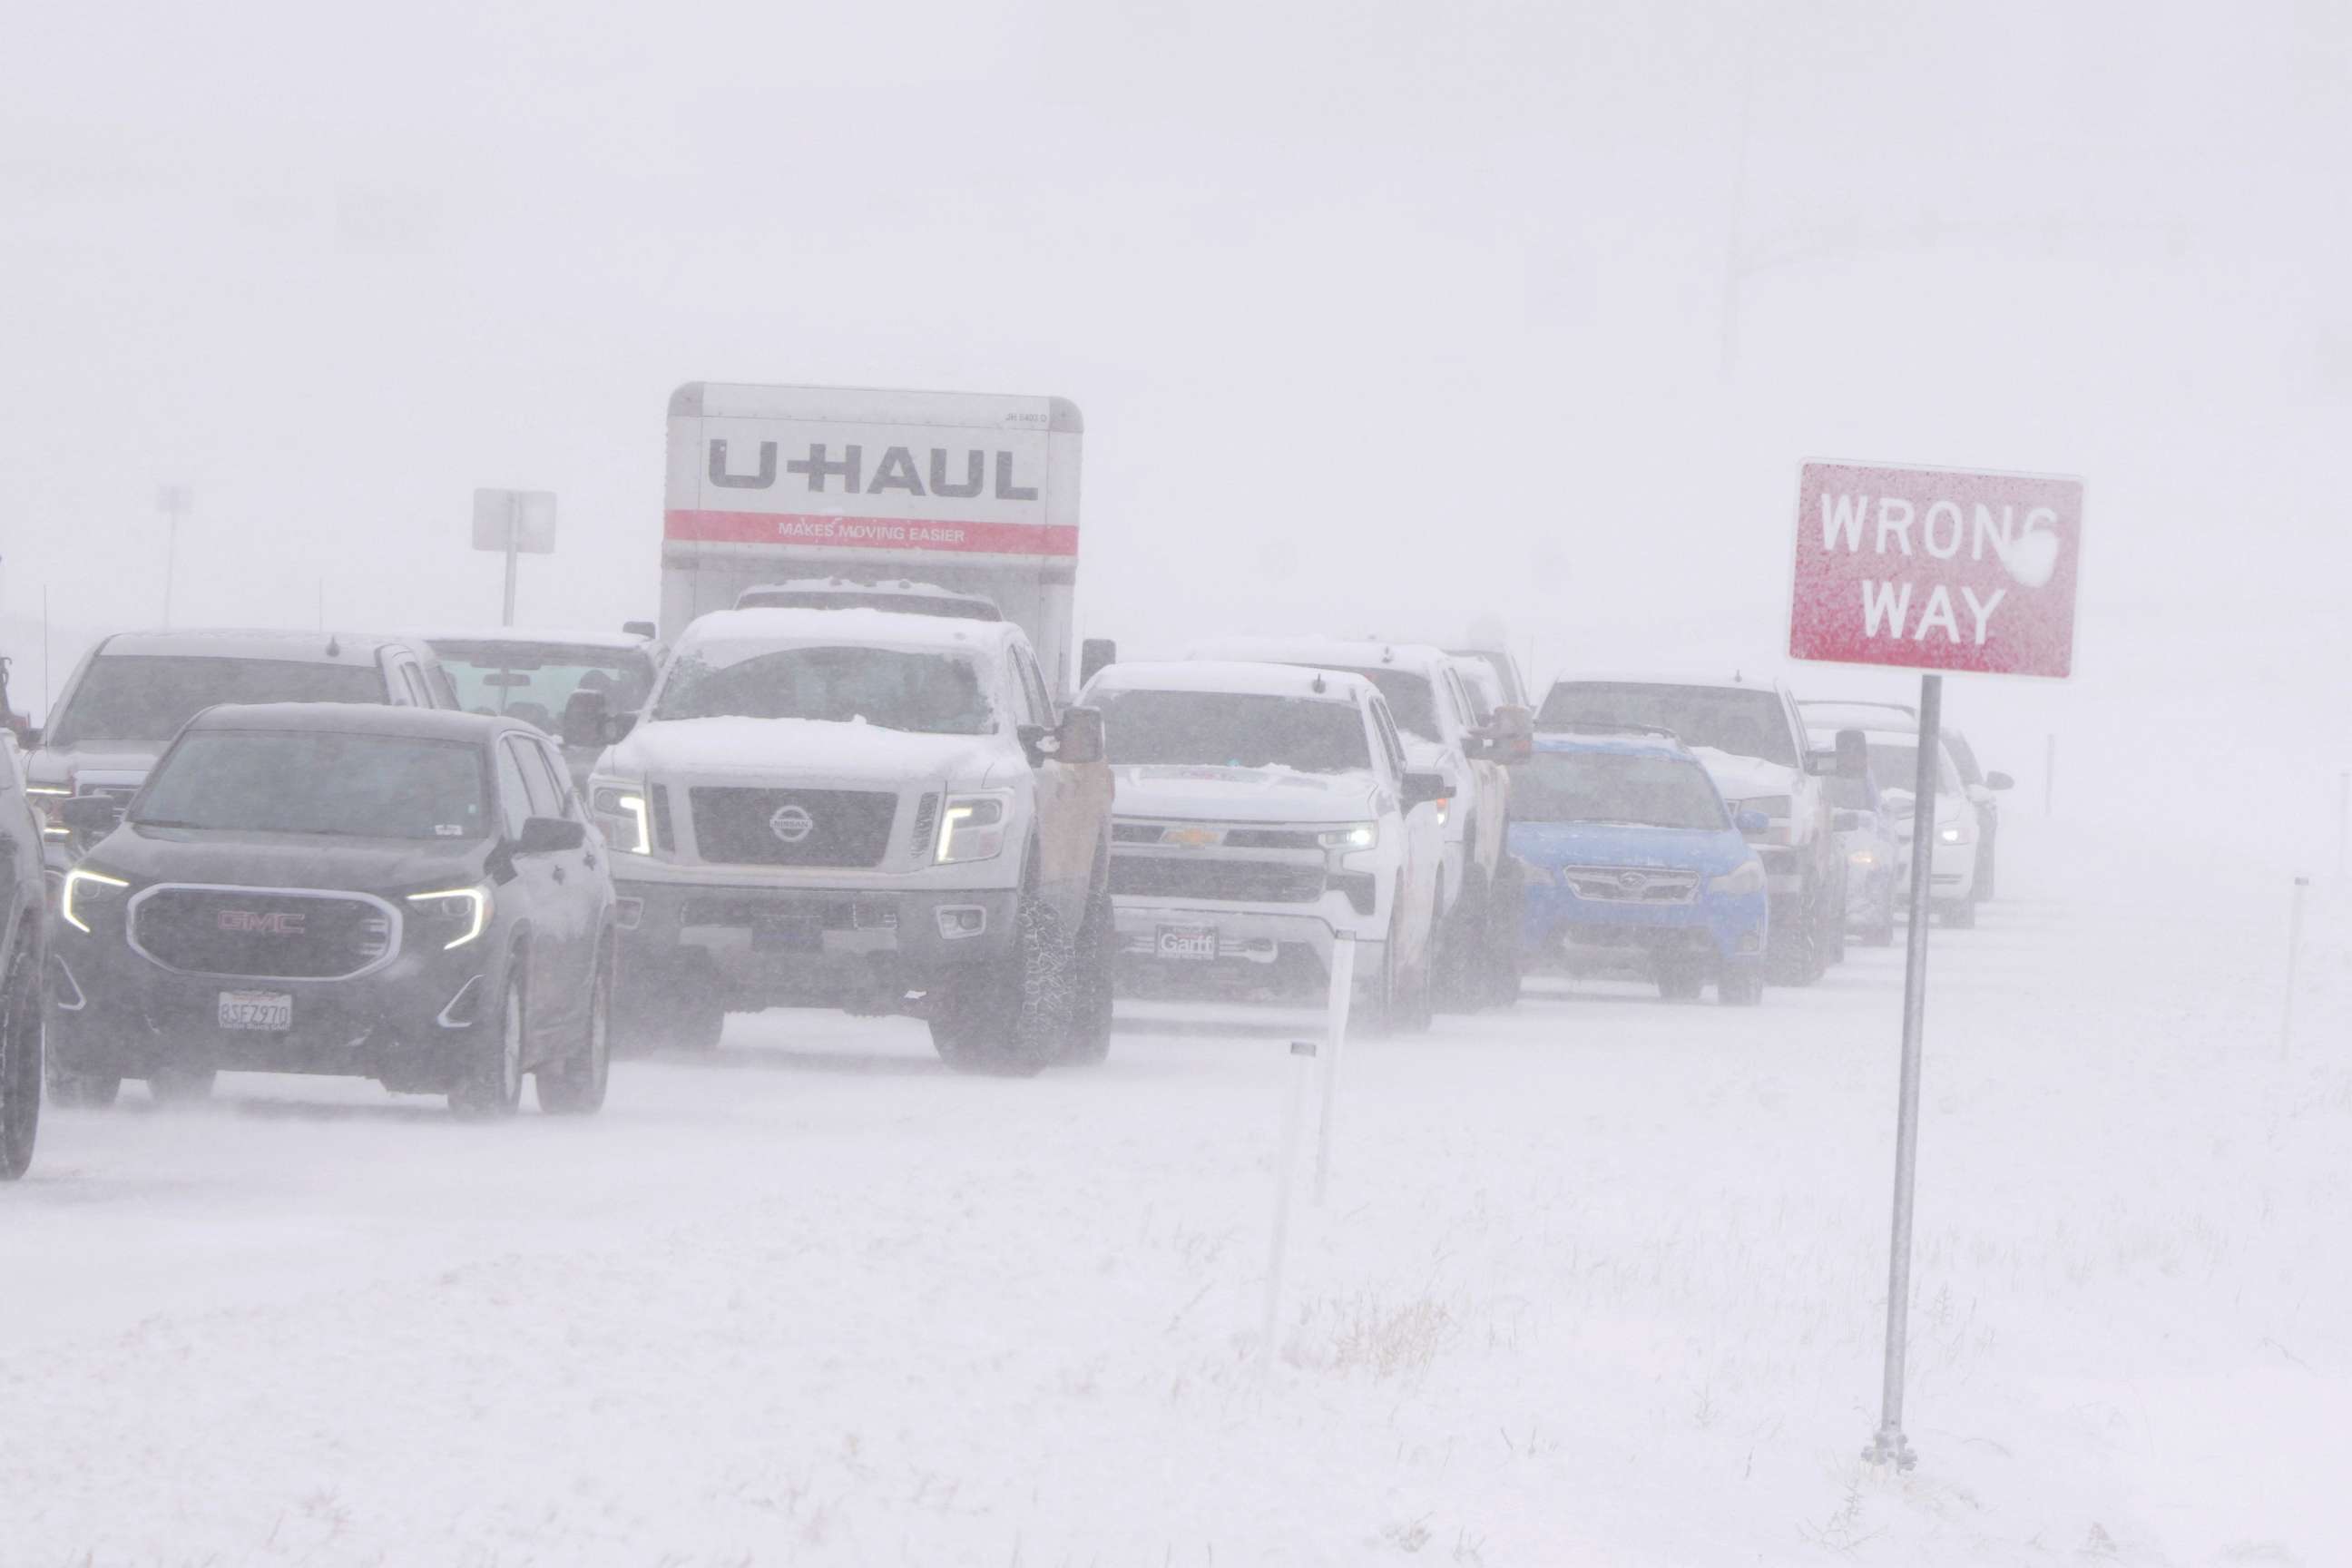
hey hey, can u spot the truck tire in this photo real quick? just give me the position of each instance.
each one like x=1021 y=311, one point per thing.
x=20 y=1059
x=1505 y=914
x=1094 y=960
x=664 y=1009
x=1795 y=954
x=1371 y=1012
x=1456 y=976
x=577 y=1086
x=1012 y=1019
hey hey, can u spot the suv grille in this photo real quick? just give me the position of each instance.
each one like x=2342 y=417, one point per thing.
x=792 y=826
x=1631 y=884
x=1251 y=882
x=278 y=934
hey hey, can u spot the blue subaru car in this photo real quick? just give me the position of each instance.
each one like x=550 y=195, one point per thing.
x=1634 y=867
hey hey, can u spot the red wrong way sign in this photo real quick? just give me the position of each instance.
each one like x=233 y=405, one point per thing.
x=1937 y=569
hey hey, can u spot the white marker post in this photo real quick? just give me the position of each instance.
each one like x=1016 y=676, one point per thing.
x=1335 y=1036
x=1294 y=1117
x=2293 y=957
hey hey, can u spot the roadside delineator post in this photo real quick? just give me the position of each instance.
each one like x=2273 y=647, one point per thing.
x=1294 y=1117
x=1335 y=1035
x=2293 y=958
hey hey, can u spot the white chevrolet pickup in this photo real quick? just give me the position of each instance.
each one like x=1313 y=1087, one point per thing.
x=852 y=808
x=1264 y=812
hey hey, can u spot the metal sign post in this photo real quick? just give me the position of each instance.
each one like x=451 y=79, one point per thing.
x=514 y=522
x=1931 y=569
x=174 y=501
x=1889 y=1446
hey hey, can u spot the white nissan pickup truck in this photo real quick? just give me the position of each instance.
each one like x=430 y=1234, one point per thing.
x=1264 y=812
x=858 y=809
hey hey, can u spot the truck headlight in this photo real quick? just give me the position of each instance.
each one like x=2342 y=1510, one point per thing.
x=1747 y=878
x=1865 y=858
x=971 y=827
x=1949 y=835
x=620 y=811
x=467 y=911
x=1354 y=836
x=83 y=888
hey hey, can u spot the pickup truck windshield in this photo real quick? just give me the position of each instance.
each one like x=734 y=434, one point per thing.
x=142 y=699
x=532 y=681
x=1234 y=729
x=1412 y=703
x=1748 y=722
x=1598 y=786
x=355 y=786
x=930 y=693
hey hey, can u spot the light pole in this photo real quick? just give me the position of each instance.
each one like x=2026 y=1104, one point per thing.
x=174 y=501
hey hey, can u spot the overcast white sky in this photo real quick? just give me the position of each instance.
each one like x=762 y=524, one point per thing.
x=1382 y=317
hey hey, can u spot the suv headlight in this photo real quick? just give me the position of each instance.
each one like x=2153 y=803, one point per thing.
x=464 y=912
x=1354 y=836
x=971 y=827
x=83 y=890
x=1747 y=878
x=1949 y=834
x=621 y=814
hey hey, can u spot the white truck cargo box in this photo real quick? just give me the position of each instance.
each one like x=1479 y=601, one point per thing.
x=974 y=492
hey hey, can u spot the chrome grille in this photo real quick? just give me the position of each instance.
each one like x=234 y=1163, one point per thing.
x=1631 y=884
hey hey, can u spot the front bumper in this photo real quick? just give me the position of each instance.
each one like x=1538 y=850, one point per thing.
x=1564 y=933
x=1278 y=950
x=410 y=1024
x=1953 y=870
x=809 y=946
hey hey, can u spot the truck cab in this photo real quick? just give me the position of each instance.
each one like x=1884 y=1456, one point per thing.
x=852 y=808
x=1440 y=723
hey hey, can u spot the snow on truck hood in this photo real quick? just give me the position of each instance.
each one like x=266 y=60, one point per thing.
x=1240 y=794
x=800 y=749
x=1745 y=778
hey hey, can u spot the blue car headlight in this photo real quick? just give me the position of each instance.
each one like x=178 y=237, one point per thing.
x=1747 y=878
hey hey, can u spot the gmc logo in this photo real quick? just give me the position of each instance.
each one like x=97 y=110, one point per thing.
x=266 y=922
x=897 y=470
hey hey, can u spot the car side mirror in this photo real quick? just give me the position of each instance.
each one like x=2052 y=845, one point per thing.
x=91 y=815
x=1420 y=788
x=1514 y=727
x=1846 y=820
x=1999 y=781
x=1751 y=822
x=1095 y=656
x=1852 y=754
x=1043 y=745
x=31 y=736
x=638 y=629
x=1081 y=736
x=550 y=835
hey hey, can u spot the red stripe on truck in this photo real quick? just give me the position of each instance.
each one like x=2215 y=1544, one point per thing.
x=871 y=532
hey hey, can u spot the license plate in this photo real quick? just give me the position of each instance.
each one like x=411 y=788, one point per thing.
x=256 y=1010
x=1188 y=942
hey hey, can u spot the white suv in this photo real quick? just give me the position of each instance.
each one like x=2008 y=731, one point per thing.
x=1478 y=939
x=1263 y=811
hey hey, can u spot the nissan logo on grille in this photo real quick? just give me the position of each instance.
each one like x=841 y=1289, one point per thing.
x=792 y=823
x=266 y=922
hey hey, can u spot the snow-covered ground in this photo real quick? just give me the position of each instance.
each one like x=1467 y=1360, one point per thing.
x=1601 y=1281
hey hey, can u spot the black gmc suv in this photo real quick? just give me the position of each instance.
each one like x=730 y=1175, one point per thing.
x=399 y=893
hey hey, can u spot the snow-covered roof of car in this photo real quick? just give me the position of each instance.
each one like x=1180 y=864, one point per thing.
x=1652 y=677
x=853 y=628
x=1829 y=721
x=1622 y=742
x=624 y=641
x=1336 y=653
x=223 y=642
x=1235 y=677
